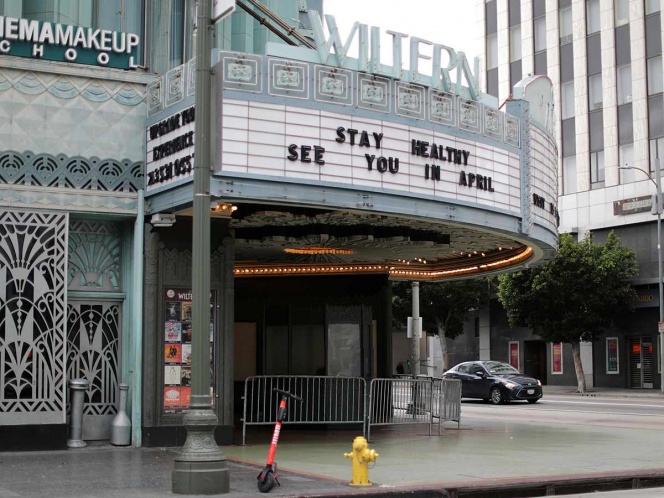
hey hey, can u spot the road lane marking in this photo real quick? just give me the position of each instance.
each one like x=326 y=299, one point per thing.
x=603 y=404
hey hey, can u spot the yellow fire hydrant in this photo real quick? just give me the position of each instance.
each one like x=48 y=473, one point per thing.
x=361 y=456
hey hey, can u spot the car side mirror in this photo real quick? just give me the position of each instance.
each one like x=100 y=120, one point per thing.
x=480 y=373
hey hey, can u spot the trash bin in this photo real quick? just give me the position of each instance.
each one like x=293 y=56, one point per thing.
x=121 y=425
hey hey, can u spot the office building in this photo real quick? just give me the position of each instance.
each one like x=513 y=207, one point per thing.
x=604 y=58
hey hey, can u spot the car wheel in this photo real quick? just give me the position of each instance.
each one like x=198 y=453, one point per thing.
x=497 y=397
x=533 y=401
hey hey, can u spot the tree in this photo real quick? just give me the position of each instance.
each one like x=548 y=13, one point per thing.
x=444 y=306
x=575 y=296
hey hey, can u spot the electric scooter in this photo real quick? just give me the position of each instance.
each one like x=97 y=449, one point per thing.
x=268 y=475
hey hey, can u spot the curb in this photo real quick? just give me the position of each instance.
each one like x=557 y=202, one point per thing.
x=515 y=488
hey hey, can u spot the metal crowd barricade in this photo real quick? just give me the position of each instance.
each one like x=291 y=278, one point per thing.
x=413 y=401
x=326 y=400
x=447 y=401
x=399 y=401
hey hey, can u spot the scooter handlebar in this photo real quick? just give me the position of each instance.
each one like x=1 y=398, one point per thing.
x=286 y=393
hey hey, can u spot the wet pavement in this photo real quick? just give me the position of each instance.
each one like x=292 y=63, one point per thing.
x=480 y=458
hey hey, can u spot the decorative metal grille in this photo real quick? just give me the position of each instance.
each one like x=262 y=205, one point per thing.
x=94 y=256
x=46 y=170
x=92 y=353
x=32 y=317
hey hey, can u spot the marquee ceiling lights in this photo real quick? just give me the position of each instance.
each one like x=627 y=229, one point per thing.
x=316 y=250
x=222 y=207
x=499 y=261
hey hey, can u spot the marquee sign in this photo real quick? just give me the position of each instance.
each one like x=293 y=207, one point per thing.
x=297 y=143
x=66 y=43
x=299 y=121
x=170 y=149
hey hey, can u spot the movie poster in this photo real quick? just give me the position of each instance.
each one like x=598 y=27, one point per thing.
x=172 y=398
x=172 y=375
x=173 y=332
x=186 y=354
x=177 y=306
x=173 y=353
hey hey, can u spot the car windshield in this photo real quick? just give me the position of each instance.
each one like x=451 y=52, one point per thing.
x=495 y=367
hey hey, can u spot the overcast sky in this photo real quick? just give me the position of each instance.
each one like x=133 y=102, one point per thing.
x=448 y=22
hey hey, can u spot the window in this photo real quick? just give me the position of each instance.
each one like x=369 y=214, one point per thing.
x=624 y=77
x=568 y=127
x=556 y=357
x=592 y=16
x=514 y=12
x=567 y=62
x=492 y=51
x=656 y=152
x=594 y=53
x=177 y=41
x=516 y=72
x=491 y=17
x=567 y=90
x=612 y=358
x=656 y=117
x=492 y=82
x=626 y=161
x=652 y=6
x=541 y=65
x=569 y=175
x=595 y=92
x=654 y=67
x=515 y=43
x=625 y=124
x=597 y=169
x=478 y=370
x=465 y=368
x=540 y=34
x=566 y=25
x=653 y=36
x=539 y=8
x=621 y=10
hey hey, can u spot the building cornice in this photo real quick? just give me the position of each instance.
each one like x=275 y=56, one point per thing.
x=140 y=76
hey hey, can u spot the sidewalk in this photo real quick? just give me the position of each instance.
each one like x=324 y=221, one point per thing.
x=602 y=392
x=484 y=456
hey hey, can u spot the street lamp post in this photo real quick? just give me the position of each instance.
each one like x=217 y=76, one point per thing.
x=201 y=467
x=657 y=208
x=660 y=325
x=415 y=345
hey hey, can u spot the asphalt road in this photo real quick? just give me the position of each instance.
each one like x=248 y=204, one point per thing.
x=632 y=413
x=619 y=413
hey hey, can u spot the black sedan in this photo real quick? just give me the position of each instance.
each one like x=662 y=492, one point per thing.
x=495 y=382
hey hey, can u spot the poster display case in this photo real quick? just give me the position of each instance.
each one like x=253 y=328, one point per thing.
x=177 y=330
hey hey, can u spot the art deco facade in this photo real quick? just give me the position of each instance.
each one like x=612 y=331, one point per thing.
x=330 y=179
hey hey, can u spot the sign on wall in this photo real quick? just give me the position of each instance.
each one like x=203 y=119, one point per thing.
x=170 y=149
x=177 y=348
x=66 y=43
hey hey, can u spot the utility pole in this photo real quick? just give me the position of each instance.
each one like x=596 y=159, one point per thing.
x=660 y=324
x=415 y=345
x=201 y=467
x=656 y=208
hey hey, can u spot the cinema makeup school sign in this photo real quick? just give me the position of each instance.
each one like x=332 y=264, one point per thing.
x=65 y=43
